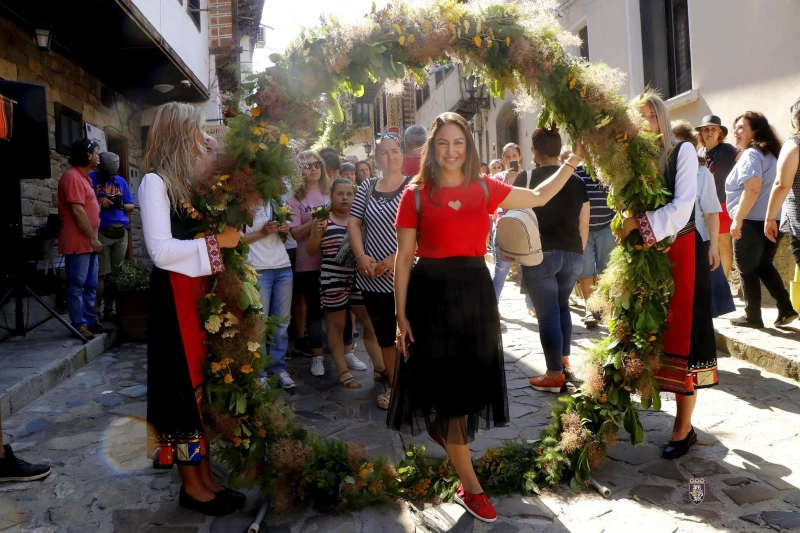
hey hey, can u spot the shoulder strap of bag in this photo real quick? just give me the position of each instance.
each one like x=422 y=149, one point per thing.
x=485 y=191
x=418 y=205
x=528 y=181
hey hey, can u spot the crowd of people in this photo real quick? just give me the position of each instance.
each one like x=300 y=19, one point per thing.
x=401 y=250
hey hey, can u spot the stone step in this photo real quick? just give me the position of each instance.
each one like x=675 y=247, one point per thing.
x=774 y=349
x=34 y=364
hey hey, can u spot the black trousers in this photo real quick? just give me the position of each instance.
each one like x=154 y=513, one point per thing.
x=753 y=255
x=794 y=242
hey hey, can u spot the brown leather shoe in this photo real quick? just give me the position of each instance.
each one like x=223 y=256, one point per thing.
x=83 y=330
x=98 y=329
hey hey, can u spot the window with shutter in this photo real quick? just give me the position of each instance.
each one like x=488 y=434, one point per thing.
x=666 y=46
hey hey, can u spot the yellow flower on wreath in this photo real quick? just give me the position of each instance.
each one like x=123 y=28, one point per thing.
x=213 y=324
x=237 y=441
x=215 y=367
x=246 y=369
x=256 y=112
x=402 y=40
x=284 y=140
x=228 y=379
x=411 y=39
x=477 y=40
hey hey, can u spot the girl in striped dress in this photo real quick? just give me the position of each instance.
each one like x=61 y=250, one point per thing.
x=338 y=293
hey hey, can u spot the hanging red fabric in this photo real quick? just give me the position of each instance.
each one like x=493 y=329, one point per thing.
x=6 y=117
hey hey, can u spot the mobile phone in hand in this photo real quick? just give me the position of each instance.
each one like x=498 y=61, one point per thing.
x=514 y=166
x=409 y=348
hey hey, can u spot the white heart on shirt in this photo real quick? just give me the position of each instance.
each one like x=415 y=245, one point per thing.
x=455 y=205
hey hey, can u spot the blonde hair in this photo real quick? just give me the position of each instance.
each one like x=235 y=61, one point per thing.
x=324 y=182
x=172 y=147
x=652 y=98
x=429 y=172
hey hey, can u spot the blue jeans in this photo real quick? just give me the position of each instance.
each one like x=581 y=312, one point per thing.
x=81 y=288
x=501 y=269
x=597 y=253
x=549 y=285
x=275 y=285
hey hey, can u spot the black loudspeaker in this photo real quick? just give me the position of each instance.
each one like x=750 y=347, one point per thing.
x=27 y=155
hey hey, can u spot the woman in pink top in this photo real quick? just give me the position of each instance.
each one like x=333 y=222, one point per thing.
x=313 y=192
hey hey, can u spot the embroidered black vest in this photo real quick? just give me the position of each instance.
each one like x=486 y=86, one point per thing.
x=671 y=174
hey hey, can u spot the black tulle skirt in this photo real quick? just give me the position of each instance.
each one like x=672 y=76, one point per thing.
x=454 y=382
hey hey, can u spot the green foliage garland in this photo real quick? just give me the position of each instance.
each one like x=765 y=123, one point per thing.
x=516 y=47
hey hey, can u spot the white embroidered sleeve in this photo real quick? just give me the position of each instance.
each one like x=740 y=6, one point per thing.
x=668 y=220
x=195 y=258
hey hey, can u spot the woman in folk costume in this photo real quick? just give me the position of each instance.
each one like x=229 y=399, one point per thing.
x=690 y=360
x=182 y=268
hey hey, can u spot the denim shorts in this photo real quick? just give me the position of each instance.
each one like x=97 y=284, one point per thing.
x=598 y=252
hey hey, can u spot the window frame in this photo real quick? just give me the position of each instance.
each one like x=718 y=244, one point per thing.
x=661 y=61
x=196 y=16
x=60 y=110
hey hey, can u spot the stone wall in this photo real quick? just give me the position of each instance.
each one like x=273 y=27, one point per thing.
x=69 y=85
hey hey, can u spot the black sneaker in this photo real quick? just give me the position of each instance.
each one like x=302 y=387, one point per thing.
x=590 y=320
x=12 y=468
x=301 y=347
x=784 y=319
x=744 y=322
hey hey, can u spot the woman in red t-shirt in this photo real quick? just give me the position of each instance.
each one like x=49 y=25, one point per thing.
x=452 y=378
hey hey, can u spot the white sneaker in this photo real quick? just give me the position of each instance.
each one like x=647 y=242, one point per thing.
x=353 y=363
x=286 y=381
x=317 y=368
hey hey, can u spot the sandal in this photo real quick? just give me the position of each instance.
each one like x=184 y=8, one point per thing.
x=350 y=383
x=380 y=375
x=385 y=399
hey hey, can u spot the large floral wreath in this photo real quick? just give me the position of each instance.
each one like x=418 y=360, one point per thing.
x=515 y=47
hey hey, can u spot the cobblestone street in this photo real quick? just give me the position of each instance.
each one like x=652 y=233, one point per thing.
x=91 y=429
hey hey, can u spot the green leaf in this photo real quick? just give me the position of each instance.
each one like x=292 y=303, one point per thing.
x=334 y=108
x=241 y=405
x=374 y=8
x=544 y=118
x=276 y=58
x=575 y=485
x=243 y=300
x=646 y=402
x=613 y=394
x=349 y=480
x=656 y=401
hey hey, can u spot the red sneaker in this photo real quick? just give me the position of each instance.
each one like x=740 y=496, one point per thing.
x=548 y=384
x=478 y=505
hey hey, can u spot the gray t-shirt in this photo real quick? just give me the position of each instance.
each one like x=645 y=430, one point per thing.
x=751 y=164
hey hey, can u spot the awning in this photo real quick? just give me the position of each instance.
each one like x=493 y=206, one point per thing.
x=112 y=41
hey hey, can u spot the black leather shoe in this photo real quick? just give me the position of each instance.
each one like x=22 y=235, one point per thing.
x=216 y=507
x=234 y=498
x=678 y=448
x=743 y=322
x=784 y=319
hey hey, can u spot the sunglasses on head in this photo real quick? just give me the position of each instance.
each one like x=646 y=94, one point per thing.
x=388 y=135
x=316 y=164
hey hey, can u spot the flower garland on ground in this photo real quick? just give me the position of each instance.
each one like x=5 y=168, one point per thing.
x=516 y=47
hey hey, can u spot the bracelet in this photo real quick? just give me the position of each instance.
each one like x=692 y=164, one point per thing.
x=570 y=166
x=713 y=248
x=359 y=255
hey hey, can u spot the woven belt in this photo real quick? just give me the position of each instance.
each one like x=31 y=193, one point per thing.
x=688 y=228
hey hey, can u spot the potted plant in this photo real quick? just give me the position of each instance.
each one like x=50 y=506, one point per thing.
x=131 y=285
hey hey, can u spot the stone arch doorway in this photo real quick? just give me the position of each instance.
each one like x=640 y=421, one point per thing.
x=507 y=124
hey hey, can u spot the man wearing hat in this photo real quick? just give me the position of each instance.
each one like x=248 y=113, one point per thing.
x=720 y=159
x=116 y=203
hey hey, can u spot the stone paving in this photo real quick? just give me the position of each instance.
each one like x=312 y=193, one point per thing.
x=90 y=428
